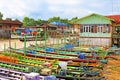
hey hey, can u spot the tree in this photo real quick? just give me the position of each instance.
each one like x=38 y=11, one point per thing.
x=1 y=16
x=32 y=22
x=16 y=19
x=74 y=18
x=25 y=21
x=29 y=21
x=64 y=20
x=54 y=19
x=9 y=19
x=38 y=22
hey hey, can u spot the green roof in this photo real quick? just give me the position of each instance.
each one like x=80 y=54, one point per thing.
x=93 y=19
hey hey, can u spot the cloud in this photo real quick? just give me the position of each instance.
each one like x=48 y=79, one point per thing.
x=19 y=8
x=64 y=2
x=47 y=8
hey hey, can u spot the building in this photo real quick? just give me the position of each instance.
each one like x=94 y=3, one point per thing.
x=116 y=31
x=6 y=26
x=96 y=30
x=49 y=29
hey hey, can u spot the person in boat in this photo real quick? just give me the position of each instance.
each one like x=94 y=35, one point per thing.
x=62 y=68
x=94 y=55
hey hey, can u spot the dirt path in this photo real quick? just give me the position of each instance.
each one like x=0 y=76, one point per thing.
x=5 y=43
x=14 y=43
x=112 y=69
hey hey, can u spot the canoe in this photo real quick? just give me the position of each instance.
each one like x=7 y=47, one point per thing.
x=66 y=53
x=55 y=57
x=25 y=68
x=33 y=47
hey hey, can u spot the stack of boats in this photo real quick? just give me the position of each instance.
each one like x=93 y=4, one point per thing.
x=81 y=64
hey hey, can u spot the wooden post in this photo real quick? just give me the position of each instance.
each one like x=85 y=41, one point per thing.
x=111 y=32
x=4 y=47
x=24 y=45
x=15 y=45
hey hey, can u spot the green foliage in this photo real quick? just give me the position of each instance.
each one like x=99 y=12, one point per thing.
x=58 y=19
x=9 y=19
x=74 y=18
x=64 y=20
x=29 y=21
x=39 y=21
x=25 y=21
x=52 y=19
x=118 y=28
x=1 y=16
x=44 y=21
x=16 y=19
x=101 y=52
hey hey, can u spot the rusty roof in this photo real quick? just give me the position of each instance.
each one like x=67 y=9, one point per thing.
x=10 y=22
x=116 y=18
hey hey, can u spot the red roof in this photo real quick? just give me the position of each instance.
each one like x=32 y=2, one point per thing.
x=10 y=22
x=115 y=17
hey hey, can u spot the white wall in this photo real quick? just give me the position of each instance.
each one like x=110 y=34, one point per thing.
x=95 y=41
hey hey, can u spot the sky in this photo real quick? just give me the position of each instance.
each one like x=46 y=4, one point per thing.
x=44 y=9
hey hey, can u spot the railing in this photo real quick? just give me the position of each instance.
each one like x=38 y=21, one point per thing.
x=88 y=34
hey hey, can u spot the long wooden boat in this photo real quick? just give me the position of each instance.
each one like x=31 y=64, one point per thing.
x=28 y=69
x=15 y=74
x=65 y=53
x=57 y=57
x=71 y=52
x=68 y=50
x=33 y=61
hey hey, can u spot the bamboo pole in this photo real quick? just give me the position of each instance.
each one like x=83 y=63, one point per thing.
x=45 y=40
x=4 y=47
x=24 y=45
x=15 y=45
x=36 y=39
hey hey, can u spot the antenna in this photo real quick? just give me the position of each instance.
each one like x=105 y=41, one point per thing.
x=115 y=6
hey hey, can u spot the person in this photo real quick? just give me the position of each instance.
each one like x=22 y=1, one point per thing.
x=94 y=55
x=62 y=68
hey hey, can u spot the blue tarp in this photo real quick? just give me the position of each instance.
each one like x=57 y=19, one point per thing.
x=49 y=49
x=81 y=56
x=69 y=46
x=59 y=23
x=31 y=51
x=27 y=30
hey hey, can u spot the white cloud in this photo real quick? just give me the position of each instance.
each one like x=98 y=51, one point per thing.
x=18 y=8
x=48 y=8
x=12 y=8
x=64 y=2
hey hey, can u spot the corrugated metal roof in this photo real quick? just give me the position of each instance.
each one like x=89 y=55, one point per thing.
x=115 y=17
x=10 y=22
x=94 y=19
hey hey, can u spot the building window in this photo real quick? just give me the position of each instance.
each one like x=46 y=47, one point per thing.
x=94 y=28
x=86 y=28
x=99 y=28
x=103 y=28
